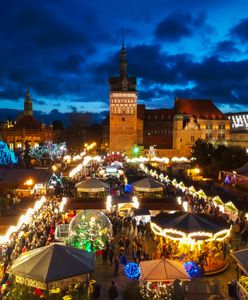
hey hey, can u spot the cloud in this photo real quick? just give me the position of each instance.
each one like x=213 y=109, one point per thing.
x=226 y=47
x=240 y=30
x=71 y=64
x=179 y=24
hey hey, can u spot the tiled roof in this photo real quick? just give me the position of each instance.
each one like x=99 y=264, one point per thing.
x=200 y=108
x=27 y=122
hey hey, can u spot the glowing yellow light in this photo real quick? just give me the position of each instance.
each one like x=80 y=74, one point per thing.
x=109 y=203
x=197 y=170
x=29 y=182
x=54 y=168
x=135 y=202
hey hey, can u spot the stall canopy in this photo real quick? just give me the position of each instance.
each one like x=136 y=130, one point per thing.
x=148 y=185
x=52 y=263
x=243 y=170
x=141 y=212
x=241 y=257
x=162 y=270
x=217 y=200
x=189 y=222
x=91 y=185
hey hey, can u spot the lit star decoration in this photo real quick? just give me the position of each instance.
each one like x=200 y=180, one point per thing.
x=132 y=270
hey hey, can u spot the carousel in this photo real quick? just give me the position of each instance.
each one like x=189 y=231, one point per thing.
x=201 y=239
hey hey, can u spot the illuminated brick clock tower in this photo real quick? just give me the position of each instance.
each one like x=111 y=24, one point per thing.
x=123 y=109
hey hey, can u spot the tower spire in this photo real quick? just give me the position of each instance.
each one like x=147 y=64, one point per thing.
x=28 y=105
x=123 y=64
x=123 y=38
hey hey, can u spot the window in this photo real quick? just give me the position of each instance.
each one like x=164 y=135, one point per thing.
x=192 y=138
x=221 y=136
x=209 y=126
x=123 y=119
x=19 y=145
x=36 y=145
x=209 y=136
x=155 y=117
x=222 y=126
x=11 y=146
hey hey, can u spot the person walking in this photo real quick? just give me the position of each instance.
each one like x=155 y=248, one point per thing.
x=113 y=291
x=116 y=266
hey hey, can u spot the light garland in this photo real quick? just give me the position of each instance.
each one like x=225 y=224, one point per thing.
x=132 y=270
x=189 y=239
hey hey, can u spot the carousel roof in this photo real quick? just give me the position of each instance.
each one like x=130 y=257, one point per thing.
x=189 y=222
x=91 y=185
x=162 y=270
x=148 y=185
x=53 y=262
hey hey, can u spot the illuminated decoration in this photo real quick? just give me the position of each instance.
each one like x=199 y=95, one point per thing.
x=49 y=151
x=201 y=194
x=197 y=170
x=179 y=200
x=76 y=157
x=109 y=203
x=135 y=202
x=90 y=230
x=174 y=181
x=24 y=219
x=192 y=238
x=7 y=156
x=76 y=170
x=62 y=204
x=185 y=206
x=192 y=269
x=132 y=270
x=217 y=201
x=156 y=290
x=29 y=182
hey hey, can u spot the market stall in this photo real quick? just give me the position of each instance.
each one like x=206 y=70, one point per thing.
x=91 y=188
x=162 y=279
x=148 y=187
x=142 y=214
x=51 y=267
x=190 y=237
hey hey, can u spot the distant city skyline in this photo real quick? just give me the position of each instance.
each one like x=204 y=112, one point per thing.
x=64 y=52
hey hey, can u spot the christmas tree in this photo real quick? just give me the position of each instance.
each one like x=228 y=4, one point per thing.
x=89 y=235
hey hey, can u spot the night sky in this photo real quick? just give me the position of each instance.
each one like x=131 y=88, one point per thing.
x=65 y=50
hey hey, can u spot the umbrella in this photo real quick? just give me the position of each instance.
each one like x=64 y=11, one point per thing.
x=52 y=263
x=162 y=270
x=91 y=185
x=148 y=185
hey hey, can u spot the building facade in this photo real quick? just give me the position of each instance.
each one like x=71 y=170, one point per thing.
x=172 y=132
x=123 y=110
x=26 y=129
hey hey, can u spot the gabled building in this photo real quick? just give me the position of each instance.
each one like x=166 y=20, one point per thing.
x=26 y=129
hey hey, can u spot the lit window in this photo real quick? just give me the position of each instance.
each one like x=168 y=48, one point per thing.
x=192 y=138
x=11 y=146
x=19 y=145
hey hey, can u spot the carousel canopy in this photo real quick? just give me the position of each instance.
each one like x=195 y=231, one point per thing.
x=148 y=185
x=189 y=222
x=53 y=262
x=91 y=185
x=162 y=270
x=241 y=257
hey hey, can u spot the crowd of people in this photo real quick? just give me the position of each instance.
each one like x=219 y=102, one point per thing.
x=38 y=232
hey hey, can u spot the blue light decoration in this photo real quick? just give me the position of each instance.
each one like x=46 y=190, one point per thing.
x=132 y=270
x=127 y=188
x=7 y=156
x=192 y=269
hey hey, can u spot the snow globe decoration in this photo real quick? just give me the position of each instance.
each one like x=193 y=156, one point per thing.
x=90 y=230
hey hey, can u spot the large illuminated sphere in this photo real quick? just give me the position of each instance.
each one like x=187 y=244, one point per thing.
x=89 y=230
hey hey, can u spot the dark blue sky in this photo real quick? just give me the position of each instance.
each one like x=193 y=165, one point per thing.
x=64 y=51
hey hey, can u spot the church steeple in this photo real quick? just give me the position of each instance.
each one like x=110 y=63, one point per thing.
x=123 y=64
x=28 y=105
